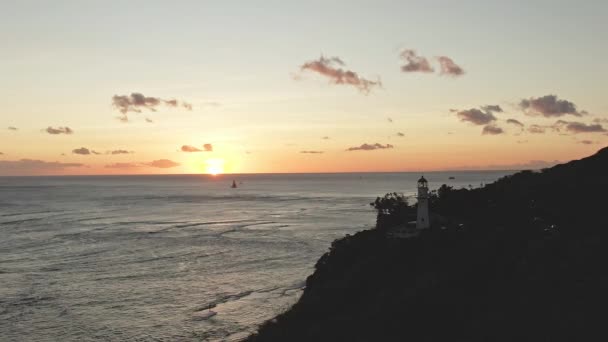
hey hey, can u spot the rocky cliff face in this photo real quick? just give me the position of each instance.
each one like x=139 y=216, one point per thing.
x=529 y=263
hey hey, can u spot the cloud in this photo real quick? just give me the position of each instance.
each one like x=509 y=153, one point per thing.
x=516 y=123
x=32 y=166
x=399 y=134
x=536 y=129
x=120 y=152
x=84 y=151
x=448 y=67
x=162 y=163
x=12 y=128
x=122 y=165
x=1 y=154
x=491 y=108
x=522 y=141
x=137 y=101
x=325 y=138
x=368 y=147
x=600 y=120
x=579 y=127
x=476 y=116
x=188 y=148
x=330 y=68
x=415 y=63
x=492 y=130
x=586 y=142
x=549 y=106
x=148 y=120
x=312 y=152
x=59 y=130
x=390 y=120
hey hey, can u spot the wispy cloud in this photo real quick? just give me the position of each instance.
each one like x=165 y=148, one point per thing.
x=476 y=116
x=586 y=142
x=399 y=134
x=84 y=151
x=536 y=129
x=119 y=152
x=390 y=120
x=325 y=138
x=122 y=166
x=162 y=163
x=59 y=130
x=312 y=152
x=148 y=120
x=136 y=102
x=549 y=106
x=33 y=166
x=448 y=67
x=188 y=148
x=331 y=68
x=12 y=128
x=492 y=130
x=579 y=127
x=415 y=63
x=370 y=147
x=516 y=123
x=491 y=108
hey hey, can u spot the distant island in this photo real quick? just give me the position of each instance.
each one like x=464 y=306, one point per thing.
x=523 y=258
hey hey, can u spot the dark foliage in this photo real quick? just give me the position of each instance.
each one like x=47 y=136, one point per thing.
x=393 y=209
x=524 y=260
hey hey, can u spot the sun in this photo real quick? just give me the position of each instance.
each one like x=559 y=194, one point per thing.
x=214 y=166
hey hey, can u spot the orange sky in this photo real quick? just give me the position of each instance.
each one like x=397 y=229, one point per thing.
x=117 y=89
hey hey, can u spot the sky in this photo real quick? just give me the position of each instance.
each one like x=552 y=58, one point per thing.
x=136 y=87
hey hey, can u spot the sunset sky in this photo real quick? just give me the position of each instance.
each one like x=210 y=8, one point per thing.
x=128 y=87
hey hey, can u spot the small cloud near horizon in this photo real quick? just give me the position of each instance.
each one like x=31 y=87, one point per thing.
x=579 y=127
x=32 y=166
x=119 y=152
x=84 y=151
x=59 y=130
x=162 y=163
x=325 y=138
x=399 y=134
x=122 y=165
x=331 y=68
x=476 y=116
x=516 y=123
x=536 y=129
x=370 y=147
x=312 y=152
x=492 y=130
x=12 y=128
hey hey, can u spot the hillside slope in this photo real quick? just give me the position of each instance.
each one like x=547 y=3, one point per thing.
x=528 y=263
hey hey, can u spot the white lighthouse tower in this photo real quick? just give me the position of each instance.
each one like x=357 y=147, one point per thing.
x=422 y=220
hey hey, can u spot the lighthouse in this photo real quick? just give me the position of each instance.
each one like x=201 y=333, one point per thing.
x=422 y=219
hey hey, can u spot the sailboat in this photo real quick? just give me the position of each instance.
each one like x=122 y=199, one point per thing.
x=233 y=184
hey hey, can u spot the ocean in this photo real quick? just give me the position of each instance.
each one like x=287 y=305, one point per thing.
x=142 y=258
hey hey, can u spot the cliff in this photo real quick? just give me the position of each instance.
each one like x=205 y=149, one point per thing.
x=523 y=258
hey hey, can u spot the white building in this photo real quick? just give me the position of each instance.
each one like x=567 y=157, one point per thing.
x=422 y=219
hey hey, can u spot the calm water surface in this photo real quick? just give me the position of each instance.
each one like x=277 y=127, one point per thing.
x=139 y=258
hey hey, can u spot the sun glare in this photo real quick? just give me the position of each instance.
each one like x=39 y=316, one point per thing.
x=214 y=166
